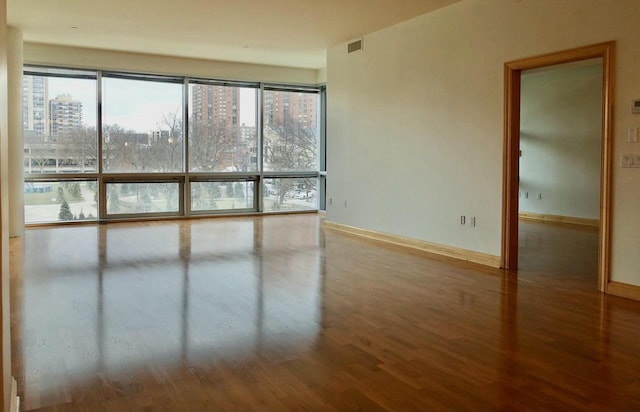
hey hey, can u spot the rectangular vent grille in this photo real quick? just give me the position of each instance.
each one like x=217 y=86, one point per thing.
x=355 y=46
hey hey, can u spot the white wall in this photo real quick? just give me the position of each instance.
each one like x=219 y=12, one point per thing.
x=415 y=120
x=321 y=76
x=560 y=140
x=65 y=56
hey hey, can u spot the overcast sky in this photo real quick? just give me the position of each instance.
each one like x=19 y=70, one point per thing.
x=135 y=104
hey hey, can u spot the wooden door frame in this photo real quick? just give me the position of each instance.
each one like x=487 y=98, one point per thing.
x=511 y=156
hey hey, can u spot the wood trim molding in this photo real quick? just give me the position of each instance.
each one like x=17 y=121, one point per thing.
x=512 y=74
x=511 y=168
x=416 y=244
x=624 y=290
x=538 y=217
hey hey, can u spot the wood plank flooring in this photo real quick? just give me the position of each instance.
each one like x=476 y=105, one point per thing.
x=274 y=314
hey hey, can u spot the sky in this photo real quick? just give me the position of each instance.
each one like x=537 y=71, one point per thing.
x=135 y=104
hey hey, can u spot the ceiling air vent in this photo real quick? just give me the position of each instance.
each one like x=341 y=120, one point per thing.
x=354 y=46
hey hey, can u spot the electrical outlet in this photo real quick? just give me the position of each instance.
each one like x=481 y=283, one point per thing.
x=463 y=220
x=473 y=221
x=626 y=160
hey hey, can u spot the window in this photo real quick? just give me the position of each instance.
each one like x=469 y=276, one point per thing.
x=60 y=201
x=142 y=126
x=221 y=141
x=111 y=145
x=143 y=198
x=59 y=122
x=228 y=195
x=290 y=194
x=291 y=131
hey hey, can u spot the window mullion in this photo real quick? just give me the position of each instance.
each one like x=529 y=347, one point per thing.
x=260 y=149
x=186 y=198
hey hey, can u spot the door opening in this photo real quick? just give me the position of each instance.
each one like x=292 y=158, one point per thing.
x=513 y=73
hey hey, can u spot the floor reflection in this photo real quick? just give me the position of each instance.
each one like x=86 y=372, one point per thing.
x=170 y=295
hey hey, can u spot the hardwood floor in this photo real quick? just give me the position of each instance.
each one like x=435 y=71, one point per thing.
x=273 y=313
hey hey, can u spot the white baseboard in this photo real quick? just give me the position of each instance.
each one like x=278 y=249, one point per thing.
x=433 y=248
x=538 y=217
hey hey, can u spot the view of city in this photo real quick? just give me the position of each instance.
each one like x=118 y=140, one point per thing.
x=143 y=134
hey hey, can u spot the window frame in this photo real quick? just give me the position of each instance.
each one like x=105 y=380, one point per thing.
x=185 y=177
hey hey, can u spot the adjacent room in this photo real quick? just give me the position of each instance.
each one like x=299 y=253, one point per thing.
x=325 y=206
x=560 y=174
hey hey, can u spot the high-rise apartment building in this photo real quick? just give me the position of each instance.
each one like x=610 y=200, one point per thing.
x=65 y=114
x=35 y=107
x=215 y=106
x=280 y=107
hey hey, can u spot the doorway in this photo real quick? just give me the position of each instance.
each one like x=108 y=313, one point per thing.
x=511 y=173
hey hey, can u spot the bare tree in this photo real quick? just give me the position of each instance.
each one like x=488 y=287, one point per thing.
x=79 y=148
x=125 y=150
x=164 y=152
x=290 y=145
x=211 y=146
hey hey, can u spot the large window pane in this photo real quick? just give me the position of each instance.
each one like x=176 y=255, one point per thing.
x=130 y=198
x=221 y=195
x=142 y=126
x=55 y=201
x=291 y=131
x=59 y=124
x=287 y=194
x=222 y=128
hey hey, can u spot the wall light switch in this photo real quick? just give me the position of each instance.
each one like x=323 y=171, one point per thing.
x=632 y=135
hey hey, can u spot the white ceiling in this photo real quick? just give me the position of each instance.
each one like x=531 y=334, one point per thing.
x=292 y=33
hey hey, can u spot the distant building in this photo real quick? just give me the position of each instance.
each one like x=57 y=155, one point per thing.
x=249 y=139
x=215 y=106
x=125 y=138
x=65 y=115
x=35 y=107
x=248 y=133
x=280 y=107
x=158 y=135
